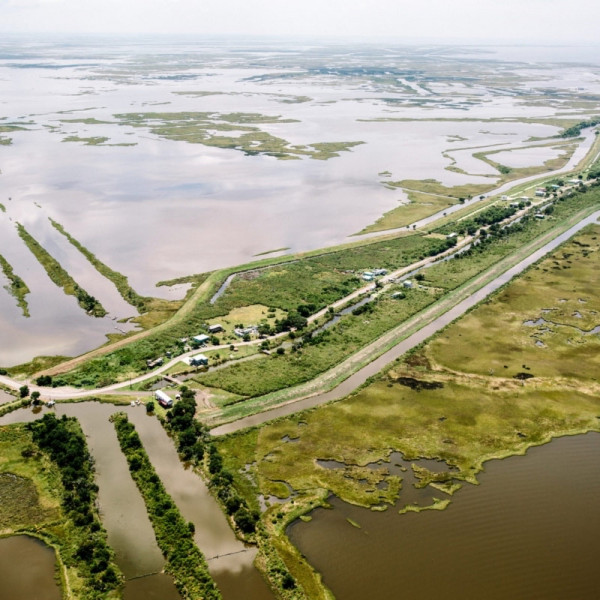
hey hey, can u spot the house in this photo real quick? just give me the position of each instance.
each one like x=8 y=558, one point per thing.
x=199 y=360
x=514 y=205
x=250 y=330
x=368 y=276
x=407 y=283
x=379 y=272
x=163 y=399
x=540 y=193
x=524 y=198
x=216 y=328
x=555 y=187
x=201 y=339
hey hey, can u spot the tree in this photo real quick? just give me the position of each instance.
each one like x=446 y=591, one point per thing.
x=150 y=406
x=23 y=391
x=35 y=398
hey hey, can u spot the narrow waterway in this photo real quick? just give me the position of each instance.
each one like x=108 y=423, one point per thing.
x=124 y=515
x=358 y=378
x=531 y=530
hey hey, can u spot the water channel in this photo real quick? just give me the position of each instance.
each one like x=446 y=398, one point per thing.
x=124 y=515
x=358 y=378
x=530 y=530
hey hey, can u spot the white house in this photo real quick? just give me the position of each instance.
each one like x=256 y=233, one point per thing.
x=201 y=339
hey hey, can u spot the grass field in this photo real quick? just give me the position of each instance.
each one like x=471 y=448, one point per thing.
x=318 y=280
x=352 y=332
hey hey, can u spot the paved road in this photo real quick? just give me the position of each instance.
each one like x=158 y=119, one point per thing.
x=429 y=328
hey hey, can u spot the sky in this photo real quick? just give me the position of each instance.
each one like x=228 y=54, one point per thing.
x=528 y=21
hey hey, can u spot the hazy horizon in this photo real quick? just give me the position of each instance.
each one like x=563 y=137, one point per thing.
x=552 y=22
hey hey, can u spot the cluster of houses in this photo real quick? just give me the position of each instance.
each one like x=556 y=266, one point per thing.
x=370 y=275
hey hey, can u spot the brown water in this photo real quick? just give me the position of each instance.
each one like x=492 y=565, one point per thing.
x=124 y=515
x=27 y=570
x=530 y=531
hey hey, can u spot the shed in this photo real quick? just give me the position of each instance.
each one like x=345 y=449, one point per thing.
x=407 y=283
x=216 y=328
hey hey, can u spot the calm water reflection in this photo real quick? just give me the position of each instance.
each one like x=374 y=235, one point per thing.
x=531 y=530
x=27 y=570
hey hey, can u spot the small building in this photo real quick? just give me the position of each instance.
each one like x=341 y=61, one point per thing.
x=504 y=198
x=452 y=235
x=555 y=187
x=216 y=328
x=379 y=272
x=368 y=276
x=514 y=205
x=540 y=193
x=201 y=339
x=152 y=364
x=524 y=198
x=540 y=216
x=574 y=181
x=163 y=399
x=407 y=284
x=398 y=295
x=250 y=330
x=199 y=360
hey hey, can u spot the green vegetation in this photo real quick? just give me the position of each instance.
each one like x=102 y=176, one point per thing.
x=316 y=280
x=17 y=288
x=420 y=205
x=88 y=141
x=273 y=251
x=60 y=277
x=561 y=301
x=501 y=242
x=200 y=128
x=184 y=561
x=433 y=186
x=313 y=354
x=80 y=537
x=481 y=389
x=121 y=282
x=575 y=130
